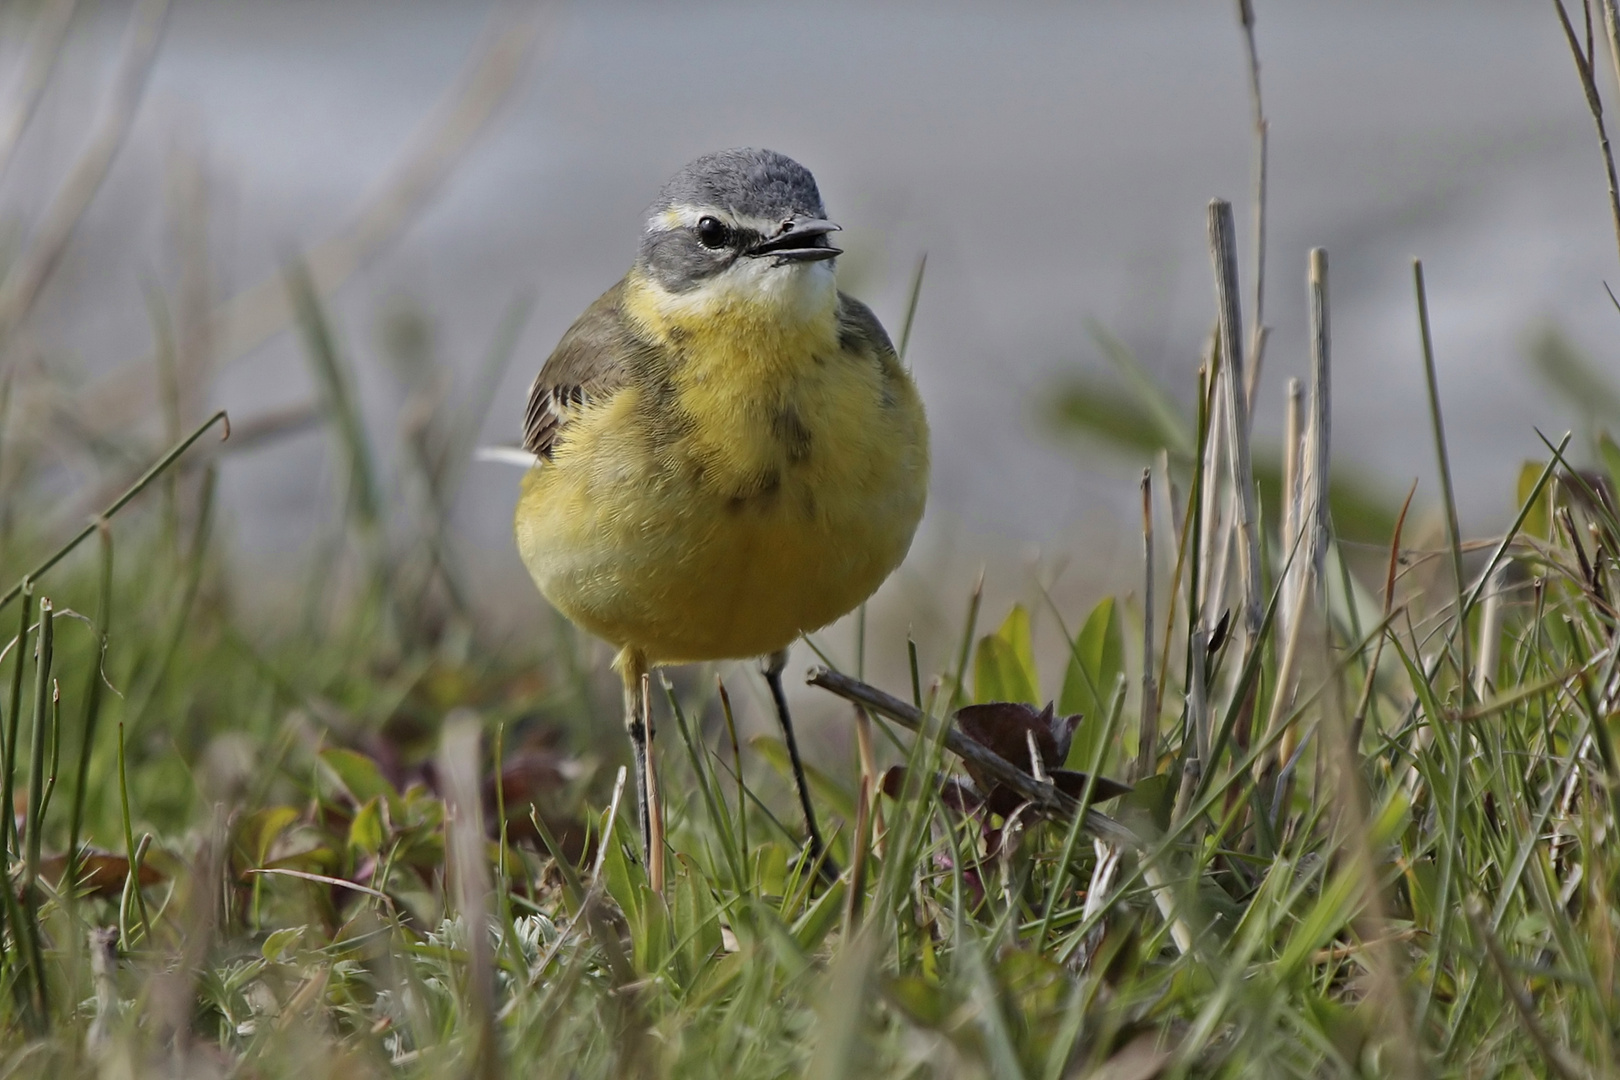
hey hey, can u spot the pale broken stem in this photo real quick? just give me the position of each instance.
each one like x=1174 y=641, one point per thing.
x=1223 y=253
x=869 y=775
x=459 y=759
x=1102 y=878
x=1490 y=632
x=1212 y=577
x=322 y=879
x=1147 y=739
x=1283 y=700
x=1294 y=420
x=1037 y=767
x=1314 y=479
x=1102 y=882
x=1305 y=508
x=1257 y=343
x=1180 y=933
x=863 y=744
x=1198 y=694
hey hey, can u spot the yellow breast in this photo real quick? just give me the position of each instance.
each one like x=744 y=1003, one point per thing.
x=760 y=484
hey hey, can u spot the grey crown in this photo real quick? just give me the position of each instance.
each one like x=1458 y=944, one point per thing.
x=747 y=181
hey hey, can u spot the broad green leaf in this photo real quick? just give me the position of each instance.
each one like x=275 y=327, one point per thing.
x=1391 y=820
x=626 y=881
x=1169 y=420
x=1004 y=665
x=263 y=828
x=1574 y=375
x=1610 y=452
x=822 y=915
x=358 y=774
x=1099 y=410
x=923 y=1001
x=995 y=672
x=770 y=869
x=366 y=832
x=650 y=944
x=717 y=979
x=695 y=919
x=1338 y=902
x=1151 y=796
x=761 y=924
x=1538 y=522
x=1035 y=982
x=279 y=944
x=1095 y=663
x=1422 y=886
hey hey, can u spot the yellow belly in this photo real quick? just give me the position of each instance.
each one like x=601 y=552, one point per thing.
x=699 y=545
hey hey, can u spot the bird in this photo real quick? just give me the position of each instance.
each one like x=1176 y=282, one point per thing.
x=728 y=452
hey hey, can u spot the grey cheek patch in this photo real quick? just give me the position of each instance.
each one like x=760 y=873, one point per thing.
x=677 y=262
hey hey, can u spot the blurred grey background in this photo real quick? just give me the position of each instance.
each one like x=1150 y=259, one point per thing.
x=1054 y=161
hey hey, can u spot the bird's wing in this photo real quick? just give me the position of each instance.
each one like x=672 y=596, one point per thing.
x=588 y=365
x=860 y=332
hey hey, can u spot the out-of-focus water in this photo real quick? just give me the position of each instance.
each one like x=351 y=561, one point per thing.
x=1054 y=162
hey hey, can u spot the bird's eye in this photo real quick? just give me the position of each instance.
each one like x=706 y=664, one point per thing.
x=713 y=233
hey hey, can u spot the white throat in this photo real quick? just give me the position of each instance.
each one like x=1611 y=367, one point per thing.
x=790 y=292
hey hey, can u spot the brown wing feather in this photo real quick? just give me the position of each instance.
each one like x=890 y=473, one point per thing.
x=860 y=334
x=859 y=330
x=588 y=364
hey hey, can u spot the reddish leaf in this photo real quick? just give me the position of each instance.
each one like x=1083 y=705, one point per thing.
x=1005 y=726
x=959 y=795
x=101 y=873
x=1073 y=784
x=531 y=775
x=893 y=781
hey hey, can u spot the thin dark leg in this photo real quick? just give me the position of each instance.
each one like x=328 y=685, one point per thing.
x=631 y=666
x=773 y=676
x=638 y=747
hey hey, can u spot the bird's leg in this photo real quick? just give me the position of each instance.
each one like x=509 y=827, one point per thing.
x=655 y=805
x=632 y=665
x=773 y=667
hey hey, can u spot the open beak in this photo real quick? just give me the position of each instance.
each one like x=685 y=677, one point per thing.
x=799 y=240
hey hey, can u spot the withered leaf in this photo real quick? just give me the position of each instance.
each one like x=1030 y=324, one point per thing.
x=959 y=795
x=1001 y=727
x=1005 y=728
x=101 y=873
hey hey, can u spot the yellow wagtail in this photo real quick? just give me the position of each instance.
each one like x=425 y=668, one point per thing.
x=728 y=451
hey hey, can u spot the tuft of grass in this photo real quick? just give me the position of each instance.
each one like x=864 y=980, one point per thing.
x=1423 y=883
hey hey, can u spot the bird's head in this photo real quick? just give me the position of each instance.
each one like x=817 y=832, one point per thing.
x=740 y=228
